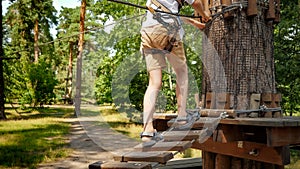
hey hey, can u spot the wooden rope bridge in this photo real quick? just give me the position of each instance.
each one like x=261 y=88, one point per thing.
x=265 y=140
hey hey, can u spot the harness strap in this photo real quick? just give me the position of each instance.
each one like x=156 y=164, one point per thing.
x=171 y=28
x=159 y=5
x=164 y=8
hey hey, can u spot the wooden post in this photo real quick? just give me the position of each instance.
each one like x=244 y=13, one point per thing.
x=208 y=160
x=226 y=3
x=277 y=12
x=271 y=10
x=252 y=8
x=222 y=162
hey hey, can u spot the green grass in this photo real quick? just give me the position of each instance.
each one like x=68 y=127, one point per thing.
x=295 y=160
x=116 y=121
x=33 y=136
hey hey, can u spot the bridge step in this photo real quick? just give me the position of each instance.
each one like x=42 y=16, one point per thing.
x=183 y=135
x=120 y=165
x=149 y=156
x=166 y=146
x=210 y=122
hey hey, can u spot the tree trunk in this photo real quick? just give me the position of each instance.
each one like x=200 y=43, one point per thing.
x=36 y=39
x=238 y=59
x=68 y=93
x=2 y=96
x=79 y=59
x=239 y=66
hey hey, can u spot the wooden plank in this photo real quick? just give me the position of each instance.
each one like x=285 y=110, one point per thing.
x=222 y=100
x=271 y=10
x=252 y=8
x=151 y=156
x=164 y=116
x=183 y=135
x=209 y=102
x=217 y=112
x=183 y=163
x=166 y=146
x=226 y=3
x=277 y=11
x=283 y=136
x=247 y=150
x=206 y=122
x=254 y=98
x=202 y=122
x=222 y=162
x=267 y=122
x=208 y=160
x=120 y=165
x=236 y=163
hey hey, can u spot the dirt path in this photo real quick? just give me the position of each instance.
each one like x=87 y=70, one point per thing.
x=91 y=143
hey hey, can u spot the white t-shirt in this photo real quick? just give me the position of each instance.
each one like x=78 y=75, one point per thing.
x=172 y=5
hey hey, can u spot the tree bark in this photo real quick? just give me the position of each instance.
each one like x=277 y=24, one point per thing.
x=238 y=58
x=79 y=58
x=68 y=92
x=2 y=96
x=36 y=39
x=238 y=67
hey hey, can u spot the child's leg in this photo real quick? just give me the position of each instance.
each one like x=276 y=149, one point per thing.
x=155 y=80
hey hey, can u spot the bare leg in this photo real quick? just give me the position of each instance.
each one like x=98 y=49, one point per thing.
x=181 y=89
x=155 y=82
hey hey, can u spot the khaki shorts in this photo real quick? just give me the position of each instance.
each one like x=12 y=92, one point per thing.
x=154 y=40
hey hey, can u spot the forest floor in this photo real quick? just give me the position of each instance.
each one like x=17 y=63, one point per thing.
x=85 y=151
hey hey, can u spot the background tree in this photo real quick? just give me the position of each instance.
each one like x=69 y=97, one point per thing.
x=287 y=55
x=21 y=18
x=2 y=107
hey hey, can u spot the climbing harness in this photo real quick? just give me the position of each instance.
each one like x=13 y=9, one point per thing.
x=172 y=27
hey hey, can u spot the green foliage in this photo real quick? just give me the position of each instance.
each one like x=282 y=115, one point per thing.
x=25 y=81
x=43 y=81
x=287 y=55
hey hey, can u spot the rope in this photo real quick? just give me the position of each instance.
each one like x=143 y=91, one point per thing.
x=146 y=8
x=233 y=6
x=261 y=109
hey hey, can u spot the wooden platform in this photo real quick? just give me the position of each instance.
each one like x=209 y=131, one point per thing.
x=120 y=165
x=166 y=146
x=149 y=156
x=186 y=163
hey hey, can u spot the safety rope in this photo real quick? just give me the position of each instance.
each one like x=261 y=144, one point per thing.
x=146 y=8
x=262 y=108
x=233 y=6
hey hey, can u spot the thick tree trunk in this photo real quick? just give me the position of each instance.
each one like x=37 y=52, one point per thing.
x=238 y=66
x=2 y=96
x=238 y=59
x=79 y=58
x=36 y=39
